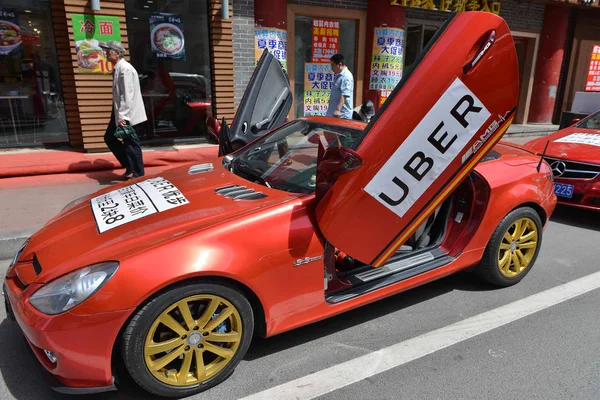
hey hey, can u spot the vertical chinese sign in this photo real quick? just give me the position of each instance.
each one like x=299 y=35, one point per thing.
x=592 y=84
x=11 y=41
x=91 y=32
x=166 y=36
x=318 y=79
x=387 y=60
x=275 y=40
x=325 y=39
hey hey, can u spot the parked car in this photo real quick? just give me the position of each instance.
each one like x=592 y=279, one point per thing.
x=173 y=274
x=574 y=155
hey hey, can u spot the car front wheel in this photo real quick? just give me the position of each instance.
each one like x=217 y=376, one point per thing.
x=512 y=249
x=188 y=339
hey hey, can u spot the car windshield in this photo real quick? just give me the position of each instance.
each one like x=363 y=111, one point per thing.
x=591 y=122
x=286 y=159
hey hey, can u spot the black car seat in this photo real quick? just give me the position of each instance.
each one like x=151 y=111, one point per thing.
x=423 y=235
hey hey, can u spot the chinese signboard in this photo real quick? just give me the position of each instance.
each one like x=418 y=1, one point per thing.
x=133 y=202
x=91 y=32
x=325 y=39
x=273 y=39
x=451 y=5
x=166 y=36
x=11 y=41
x=387 y=59
x=592 y=84
x=318 y=79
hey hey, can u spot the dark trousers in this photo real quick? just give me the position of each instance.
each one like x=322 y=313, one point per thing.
x=128 y=152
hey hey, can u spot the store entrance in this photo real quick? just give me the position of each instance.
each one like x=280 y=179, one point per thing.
x=315 y=34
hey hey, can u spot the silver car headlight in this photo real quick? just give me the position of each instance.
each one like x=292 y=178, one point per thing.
x=70 y=290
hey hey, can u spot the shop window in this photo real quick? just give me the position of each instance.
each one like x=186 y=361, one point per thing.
x=31 y=102
x=417 y=38
x=169 y=47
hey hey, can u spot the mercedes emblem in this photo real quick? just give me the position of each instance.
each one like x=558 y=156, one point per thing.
x=558 y=168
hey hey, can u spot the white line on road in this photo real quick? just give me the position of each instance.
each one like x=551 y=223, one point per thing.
x=355 y=370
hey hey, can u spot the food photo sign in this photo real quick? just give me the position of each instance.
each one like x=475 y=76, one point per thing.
x=11 y=42
x=166 y=36
x=91 y=32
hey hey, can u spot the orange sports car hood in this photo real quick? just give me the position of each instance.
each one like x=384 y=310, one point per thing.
x=82 y=235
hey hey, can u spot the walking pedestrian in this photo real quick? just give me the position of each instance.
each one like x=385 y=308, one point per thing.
x=342 y=89
x=128 y=110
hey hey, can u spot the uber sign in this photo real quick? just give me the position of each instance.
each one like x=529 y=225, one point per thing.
x=438 y=139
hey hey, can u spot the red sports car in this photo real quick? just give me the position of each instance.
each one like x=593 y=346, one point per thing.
x=574 y=156
x=172 y=274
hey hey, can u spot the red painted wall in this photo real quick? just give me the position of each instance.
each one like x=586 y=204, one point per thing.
x=271 y=13
x=548 y=65
x=379 y=13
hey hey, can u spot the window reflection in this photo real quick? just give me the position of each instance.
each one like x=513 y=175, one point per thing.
x=176 y=88
x=31 y=102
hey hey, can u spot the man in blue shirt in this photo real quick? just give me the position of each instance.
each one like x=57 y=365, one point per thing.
x=342 y=90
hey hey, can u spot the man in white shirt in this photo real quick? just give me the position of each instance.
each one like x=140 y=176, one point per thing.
x=128 y=109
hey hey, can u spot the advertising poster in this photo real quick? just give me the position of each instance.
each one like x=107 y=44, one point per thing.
x=273 y=39
x=387 y=59
x=325 y=39
x=11 y=41
x=592 y=84
x=166 y=36
x=457 y=6
x=90 y=33
x=318 y=79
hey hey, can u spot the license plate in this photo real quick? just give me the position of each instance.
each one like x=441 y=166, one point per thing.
x=563 y=190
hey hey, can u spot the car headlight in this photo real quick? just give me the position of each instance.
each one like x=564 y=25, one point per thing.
x=72 y=289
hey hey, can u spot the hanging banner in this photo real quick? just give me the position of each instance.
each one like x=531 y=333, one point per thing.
x=318 y=79
x=593 y=80
x=273 y=39
x=451 y=5
x=91 y=32
x=387 y=59
x=166 y=36
x=11 y=42
x=325 y=39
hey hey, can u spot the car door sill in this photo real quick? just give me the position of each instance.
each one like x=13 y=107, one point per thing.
x=389 y=279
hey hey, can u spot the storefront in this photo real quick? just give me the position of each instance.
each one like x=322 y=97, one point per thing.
x=380 y=41
x=56 y=85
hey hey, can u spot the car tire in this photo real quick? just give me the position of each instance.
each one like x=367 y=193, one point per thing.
x=146 y=326
x=494 y=267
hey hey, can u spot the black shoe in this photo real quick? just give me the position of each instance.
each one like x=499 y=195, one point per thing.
x=127 y=173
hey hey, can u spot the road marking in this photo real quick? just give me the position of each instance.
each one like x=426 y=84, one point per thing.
x=355 y=370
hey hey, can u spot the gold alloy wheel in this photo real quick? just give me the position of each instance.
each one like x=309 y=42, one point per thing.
x=518 y=247
x=193 y=340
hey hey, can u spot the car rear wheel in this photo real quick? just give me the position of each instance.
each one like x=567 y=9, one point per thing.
x=188 y=339
x=512 y=249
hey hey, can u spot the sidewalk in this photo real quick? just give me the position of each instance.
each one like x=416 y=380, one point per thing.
x=27 y=202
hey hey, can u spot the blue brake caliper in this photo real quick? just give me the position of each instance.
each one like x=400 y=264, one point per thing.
x=222 y=328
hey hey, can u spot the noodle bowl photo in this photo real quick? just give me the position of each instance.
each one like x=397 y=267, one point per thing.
x=10 y=36
x=167 y=38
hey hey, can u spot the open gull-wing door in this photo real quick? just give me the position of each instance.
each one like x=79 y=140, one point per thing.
x=440 y=120
x=265 y=105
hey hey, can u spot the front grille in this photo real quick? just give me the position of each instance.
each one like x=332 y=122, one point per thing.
x=237 y=192
x=572 y=170
x=575 y=199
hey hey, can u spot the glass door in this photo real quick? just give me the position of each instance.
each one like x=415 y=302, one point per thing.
x=303 y=54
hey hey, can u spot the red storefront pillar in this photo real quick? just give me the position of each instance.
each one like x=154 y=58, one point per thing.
x=271 y=13
x=379 y=13
x=548 y=65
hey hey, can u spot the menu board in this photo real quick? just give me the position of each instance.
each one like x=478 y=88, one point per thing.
x=325 y=39
x=166 y=36
x=11 y=41
x=318 y=79
x=91 y=32
x=387 y=59
x=592 y=84
x=275 y=40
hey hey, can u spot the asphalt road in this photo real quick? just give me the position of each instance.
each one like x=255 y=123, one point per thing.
x=550 y=354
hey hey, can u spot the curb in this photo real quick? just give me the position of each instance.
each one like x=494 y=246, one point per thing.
x=10 y=243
